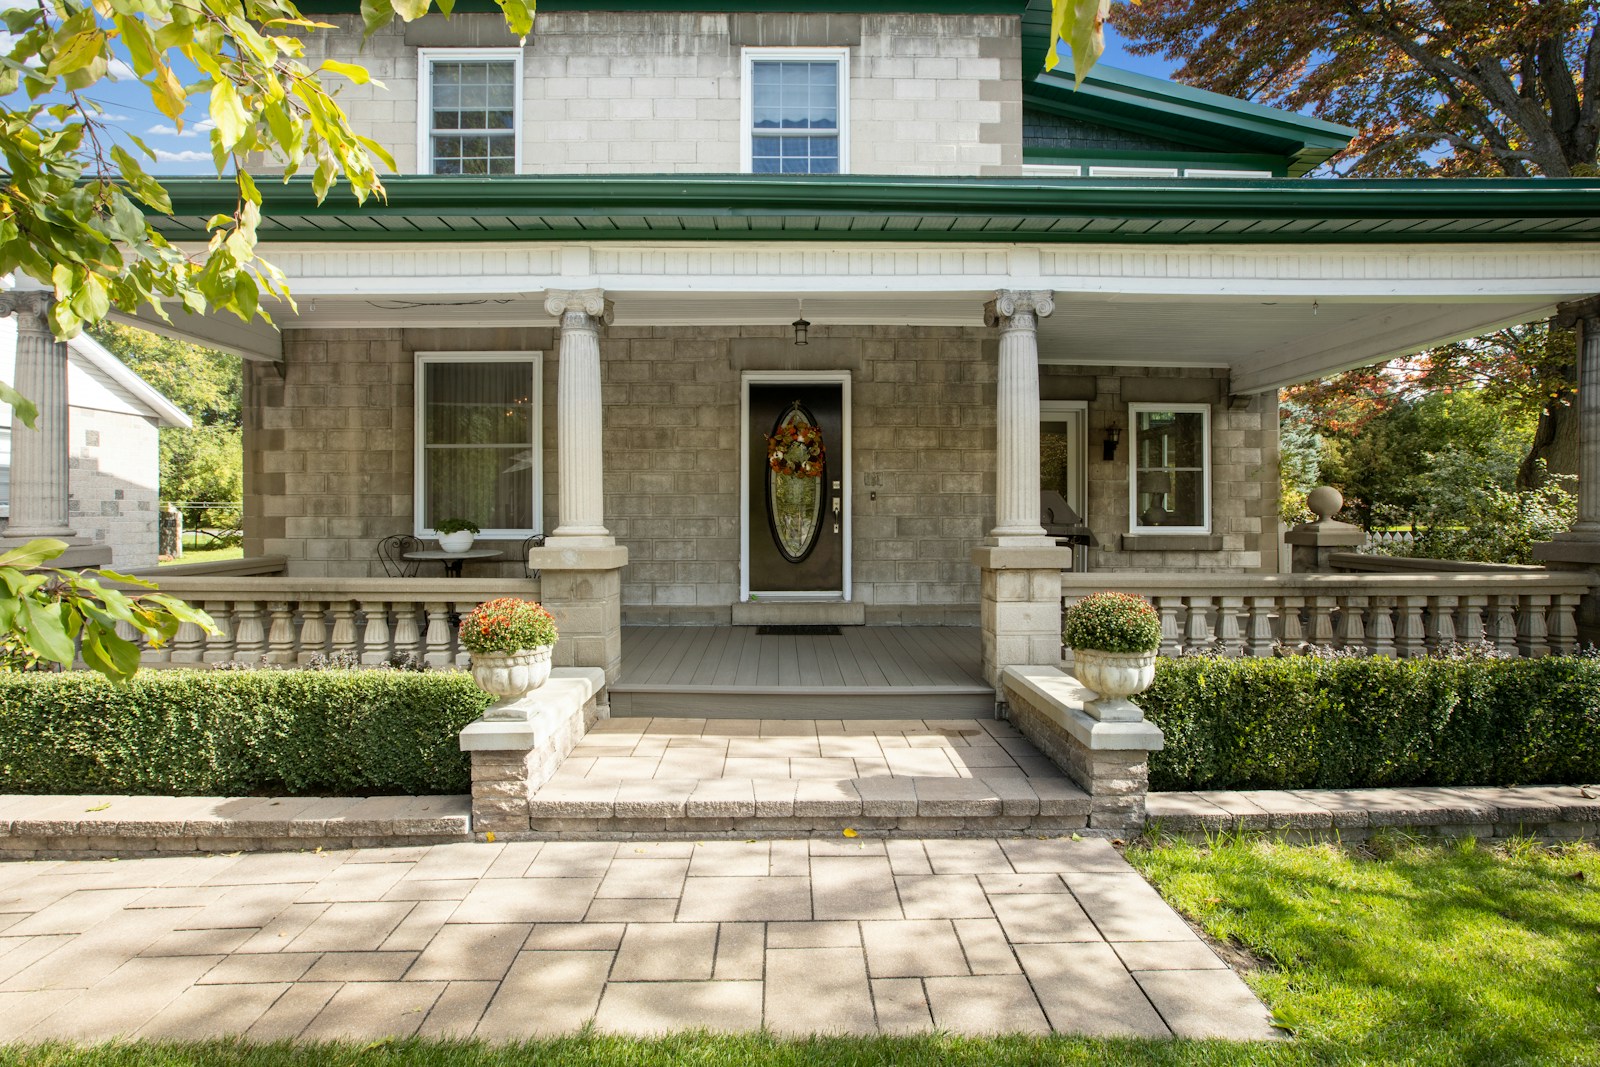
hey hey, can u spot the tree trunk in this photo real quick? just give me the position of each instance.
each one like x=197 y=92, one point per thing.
x=1555 y=442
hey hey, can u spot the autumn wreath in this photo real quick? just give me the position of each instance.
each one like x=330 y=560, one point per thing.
x=796 y=449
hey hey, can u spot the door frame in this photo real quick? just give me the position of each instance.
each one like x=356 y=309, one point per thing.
x=780 y=377
x=1075 y=413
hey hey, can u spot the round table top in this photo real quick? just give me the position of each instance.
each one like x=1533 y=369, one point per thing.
x=439 y=553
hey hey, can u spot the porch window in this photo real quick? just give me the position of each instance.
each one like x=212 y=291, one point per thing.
x=1169 y=486
x=478 y=438
x=794 y=106
x=471 y=110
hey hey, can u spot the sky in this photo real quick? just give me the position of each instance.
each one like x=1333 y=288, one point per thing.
x=127 y=107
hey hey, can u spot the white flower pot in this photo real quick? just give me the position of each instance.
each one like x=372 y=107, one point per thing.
x=510 y=676
x=459 y=541
x=1114 y=677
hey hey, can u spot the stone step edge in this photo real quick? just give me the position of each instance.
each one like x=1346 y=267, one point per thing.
x=790 y=798
x=59 y=818
x=1558 y=810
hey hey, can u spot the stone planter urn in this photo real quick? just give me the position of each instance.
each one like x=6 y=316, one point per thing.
x=1114 y=676
x=460 y=541
x=510 y=676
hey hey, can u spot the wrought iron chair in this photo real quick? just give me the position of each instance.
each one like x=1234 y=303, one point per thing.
x=392 y=554
x=536 y=541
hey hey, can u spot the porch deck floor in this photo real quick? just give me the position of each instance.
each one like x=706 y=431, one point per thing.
x=716 y=777
x=864 y=672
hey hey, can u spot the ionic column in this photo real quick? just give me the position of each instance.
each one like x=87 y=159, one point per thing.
x=39 y=455
x=1016 y=499
x=581 y=474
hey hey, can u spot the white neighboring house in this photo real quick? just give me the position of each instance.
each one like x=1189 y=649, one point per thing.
x=114 y=462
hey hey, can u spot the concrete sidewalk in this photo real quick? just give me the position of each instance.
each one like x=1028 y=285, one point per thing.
x=524 y=939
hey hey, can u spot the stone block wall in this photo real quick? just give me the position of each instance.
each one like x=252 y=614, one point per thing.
x=114 y=478
x=653 y=92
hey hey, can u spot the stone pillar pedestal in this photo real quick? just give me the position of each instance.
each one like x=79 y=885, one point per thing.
x=511 y=760
x=1021 y=606
x=581 y=586
x=1579 y=548
x=1108 y=760
x=1312 y=543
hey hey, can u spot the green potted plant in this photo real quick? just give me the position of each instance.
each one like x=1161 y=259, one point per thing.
x=455 y=535
x=1114 y=638
x=510 y=640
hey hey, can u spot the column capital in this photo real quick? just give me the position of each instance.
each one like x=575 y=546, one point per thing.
x=1018 y=309
x=589 y=303
x=26 y=305
x=1575 y=311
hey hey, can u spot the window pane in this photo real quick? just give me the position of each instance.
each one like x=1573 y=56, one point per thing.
x=795 y=95
x=1171 y=498
x=477 y=97
x=1172 y=439
x=1056 y=447
x=479 y=427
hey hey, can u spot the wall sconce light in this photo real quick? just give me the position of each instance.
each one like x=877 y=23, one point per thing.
x=801 y=326
x=1108 y=447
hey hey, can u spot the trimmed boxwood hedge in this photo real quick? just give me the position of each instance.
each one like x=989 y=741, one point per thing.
x=1300 y=722
x=237 y=733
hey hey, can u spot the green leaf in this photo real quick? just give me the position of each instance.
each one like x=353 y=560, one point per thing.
x=166 y=91
x=22 y=408
x=519 y=16
x=375 y=15
x=45 y=631
x=33 y=553
x=228 y=113
x=357 y=74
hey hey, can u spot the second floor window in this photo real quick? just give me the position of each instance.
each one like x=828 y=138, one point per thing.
x=795 y=110
x=470 y=113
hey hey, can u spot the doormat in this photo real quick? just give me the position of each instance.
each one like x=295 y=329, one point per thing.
x=797 y=631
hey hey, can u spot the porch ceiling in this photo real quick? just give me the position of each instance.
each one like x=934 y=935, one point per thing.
x=1265 y=342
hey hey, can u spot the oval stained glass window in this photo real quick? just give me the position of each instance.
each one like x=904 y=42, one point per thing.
x=796 y=475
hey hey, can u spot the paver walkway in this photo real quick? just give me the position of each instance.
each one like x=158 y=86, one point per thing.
x=531 y=938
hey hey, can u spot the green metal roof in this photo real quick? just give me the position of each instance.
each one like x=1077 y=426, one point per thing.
x=1209 y=121
x=668 y=207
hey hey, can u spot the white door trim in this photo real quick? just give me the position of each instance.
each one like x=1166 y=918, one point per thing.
x=746 y=379
x=1075 y=413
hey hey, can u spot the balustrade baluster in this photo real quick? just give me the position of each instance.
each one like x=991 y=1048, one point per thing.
x=219 y=646
x=1261 y=640
x=1322 y=620
x=249 y=641
x=280 y=638
x=1470 y=619
x=1197 y=629
x=375 y=636
x=313 y=631
x=1503 y=611
x=1442 y=622
x=1352 y=624
x=1409 y=639
x=1533 y=635
x=1564 y=624
x=438 y=652
x=407 y=637
x=463 y=657
x=1167 y=607
x=188 y=644
x=1294 y=634
x=343 y=635
x=1380 y=626
x=1229 y=611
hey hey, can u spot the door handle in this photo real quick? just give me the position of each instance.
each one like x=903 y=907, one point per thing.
x=836 y=505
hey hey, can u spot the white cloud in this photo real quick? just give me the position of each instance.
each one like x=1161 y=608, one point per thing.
x=163 y=156
x=111 y=116
x=118 y=71
x=194 y=129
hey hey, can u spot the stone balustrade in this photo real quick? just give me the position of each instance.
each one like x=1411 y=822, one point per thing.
x=1521 y=614
x=289 y=621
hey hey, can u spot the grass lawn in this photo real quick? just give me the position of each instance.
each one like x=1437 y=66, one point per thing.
x=206 y=555
x=1436 y=955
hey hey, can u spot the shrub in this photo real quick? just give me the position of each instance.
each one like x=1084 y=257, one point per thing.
x=507 y=625
x=233 y=733
x=1301 y=722
x=1111 y=622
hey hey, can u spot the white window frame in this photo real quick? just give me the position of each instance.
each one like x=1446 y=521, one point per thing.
x=1134 y=525
x=1075 y=413
x=1051 y=170
x=748 y=59
x=1132 y=172
x=426 y=57
x=418 y=404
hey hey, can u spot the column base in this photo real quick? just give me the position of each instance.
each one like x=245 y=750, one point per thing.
x=581 y=585
x=1021 y=606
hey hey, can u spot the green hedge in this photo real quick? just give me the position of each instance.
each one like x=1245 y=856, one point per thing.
x=233 y=733
x=1305 y=723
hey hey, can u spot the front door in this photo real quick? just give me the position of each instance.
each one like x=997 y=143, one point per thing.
x=795 y=502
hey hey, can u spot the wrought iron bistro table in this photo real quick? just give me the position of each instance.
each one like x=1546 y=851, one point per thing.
x=453 y=560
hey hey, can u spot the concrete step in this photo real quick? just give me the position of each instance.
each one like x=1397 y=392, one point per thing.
x=728 y=807
x=815 y=702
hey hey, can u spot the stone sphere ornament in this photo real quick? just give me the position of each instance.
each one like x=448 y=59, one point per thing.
x=1324 y=502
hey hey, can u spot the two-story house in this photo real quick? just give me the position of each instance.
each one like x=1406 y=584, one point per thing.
x=626 y=255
